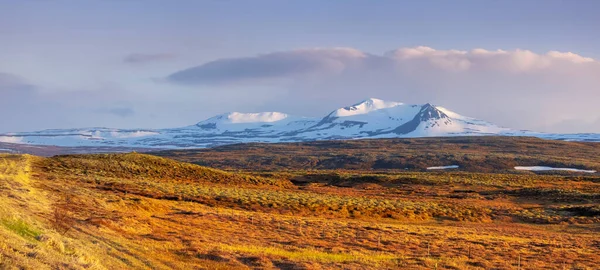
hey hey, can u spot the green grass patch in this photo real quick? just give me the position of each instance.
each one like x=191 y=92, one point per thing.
x=20 y=227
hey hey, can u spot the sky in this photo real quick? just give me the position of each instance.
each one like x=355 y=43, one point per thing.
x=156 y=64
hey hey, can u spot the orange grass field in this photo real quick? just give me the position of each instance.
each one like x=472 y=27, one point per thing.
x=134 y=211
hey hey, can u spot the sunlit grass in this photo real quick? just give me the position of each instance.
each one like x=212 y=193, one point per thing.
x=312 y=255
x=129 y=217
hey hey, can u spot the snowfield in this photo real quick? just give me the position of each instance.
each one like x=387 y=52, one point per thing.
x=544 y=168
x=10 y=139
x=371 y=118
x=443 y=167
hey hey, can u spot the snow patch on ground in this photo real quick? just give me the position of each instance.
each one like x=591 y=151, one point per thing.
x=135 y=134
x=10 y=139
x=544 y=168
x=443 y=167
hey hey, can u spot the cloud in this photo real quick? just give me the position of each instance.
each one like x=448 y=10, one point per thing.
x=333 y=61
x=271 y=66
x=517 y=61
x=141 y=58
x=569 y=56
x=515 y=88
x=13 y=83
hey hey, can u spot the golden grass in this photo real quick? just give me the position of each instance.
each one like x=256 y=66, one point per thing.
x=121 y=222
x=311 y=254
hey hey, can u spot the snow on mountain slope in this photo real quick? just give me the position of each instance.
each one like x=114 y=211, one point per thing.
x=371 y=118
x=366 y=106
x=270 y=122
x=79 y=137
x=470 y=124
x=263 y=117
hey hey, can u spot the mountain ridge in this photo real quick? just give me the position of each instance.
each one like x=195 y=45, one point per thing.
x=370 y=118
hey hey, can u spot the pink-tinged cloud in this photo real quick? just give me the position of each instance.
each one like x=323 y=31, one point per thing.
x=333 y=61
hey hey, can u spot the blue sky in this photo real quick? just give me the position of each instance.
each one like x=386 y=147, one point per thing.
x=108 y=63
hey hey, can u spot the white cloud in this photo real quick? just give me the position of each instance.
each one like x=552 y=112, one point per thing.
x=448 y=60
x=569 y=56
x=481 y=59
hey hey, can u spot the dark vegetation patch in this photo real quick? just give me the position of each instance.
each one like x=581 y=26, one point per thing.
x=556 y=194
x=586 y=211
x=475 y=154
x=146 y=167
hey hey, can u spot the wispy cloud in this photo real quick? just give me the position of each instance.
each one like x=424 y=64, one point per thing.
x=10 y=82
x=141 y=58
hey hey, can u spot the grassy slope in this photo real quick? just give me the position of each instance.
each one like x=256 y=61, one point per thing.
x=34 y=188
x=144 y=167
x=26 y=239
x=477 y=154
x=144 y=212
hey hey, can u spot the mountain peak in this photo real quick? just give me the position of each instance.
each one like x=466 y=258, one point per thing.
x=365 y=106
x=429 y=111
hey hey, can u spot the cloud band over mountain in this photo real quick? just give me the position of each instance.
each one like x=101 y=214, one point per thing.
x=520 y=88
x=272 y=65
x=333 y=61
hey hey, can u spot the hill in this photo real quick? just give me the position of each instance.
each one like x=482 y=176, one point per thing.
x=142 y=167
x=134 y=211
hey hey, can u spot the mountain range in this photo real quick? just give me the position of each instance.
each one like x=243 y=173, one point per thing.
x=371 y=118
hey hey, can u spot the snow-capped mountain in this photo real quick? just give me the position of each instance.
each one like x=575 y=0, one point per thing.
x=371 y=118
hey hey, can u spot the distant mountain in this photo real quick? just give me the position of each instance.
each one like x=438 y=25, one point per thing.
x=371 y=118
